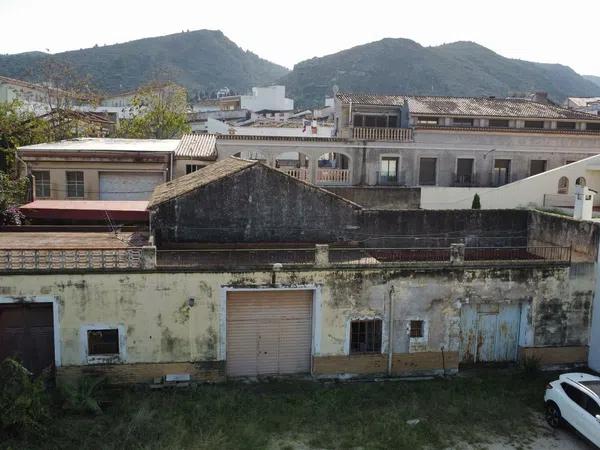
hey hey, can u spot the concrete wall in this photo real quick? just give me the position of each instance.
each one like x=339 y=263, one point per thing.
x=380 y=197
x=258 y=204
x=162 y=333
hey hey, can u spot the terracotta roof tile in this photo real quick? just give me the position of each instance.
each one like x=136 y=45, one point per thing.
x=198 y=146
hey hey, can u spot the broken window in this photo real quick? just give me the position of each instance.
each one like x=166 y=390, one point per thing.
x=75 y=185
x=417 y=329
x=103 y=342
x=534 y=124
x=427 y=171
x=565 y=125
x=499 y=123
x=563 y=185
x=537 y=166
x=42 y=183
x=462 y=122
x=501 y=172
x=189 y=168
x=365 y=336
x=464 y=171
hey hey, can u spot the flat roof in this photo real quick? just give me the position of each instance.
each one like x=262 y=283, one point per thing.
x=117 y=210
x=107 y=144
x=68 y=240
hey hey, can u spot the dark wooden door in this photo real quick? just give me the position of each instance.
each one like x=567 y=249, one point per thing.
x=27 y=333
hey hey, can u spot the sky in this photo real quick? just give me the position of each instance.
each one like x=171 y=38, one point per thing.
x=287 y=32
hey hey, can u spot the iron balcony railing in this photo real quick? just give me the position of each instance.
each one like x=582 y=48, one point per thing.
x=227 y=258
x=386 y=179
x=465 y=180
x=69 y=258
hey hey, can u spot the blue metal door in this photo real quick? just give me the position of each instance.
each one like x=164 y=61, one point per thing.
x=489 y=332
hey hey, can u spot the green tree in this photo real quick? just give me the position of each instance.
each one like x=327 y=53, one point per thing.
x=159 y=111
x=476 y=202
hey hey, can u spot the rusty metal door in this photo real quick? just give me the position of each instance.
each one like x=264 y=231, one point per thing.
x=489 y=332
x=27 y=333
x=269 y=332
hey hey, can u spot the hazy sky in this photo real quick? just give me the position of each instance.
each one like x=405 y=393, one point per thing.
x=287 y=32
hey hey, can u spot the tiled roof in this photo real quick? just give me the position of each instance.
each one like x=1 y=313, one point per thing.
x=198 y=146
x=199 y=178
x=582 y=102
x=469 y=106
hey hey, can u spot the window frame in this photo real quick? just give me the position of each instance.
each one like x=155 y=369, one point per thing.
x=534 y=161
x=43 y=184
x=377 y=344
x=436 y=171
x=109 y=358
x=388 y=159
x=195 y=168
x=75 y=184
x=420 y=328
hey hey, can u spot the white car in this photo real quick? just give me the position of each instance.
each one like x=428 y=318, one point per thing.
x=575 y=398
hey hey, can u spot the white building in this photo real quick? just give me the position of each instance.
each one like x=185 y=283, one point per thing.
x=590 y=105
x=270 y=98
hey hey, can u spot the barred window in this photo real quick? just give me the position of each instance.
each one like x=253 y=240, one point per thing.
x=365 y=336
x=417 y=329
x=103 y=342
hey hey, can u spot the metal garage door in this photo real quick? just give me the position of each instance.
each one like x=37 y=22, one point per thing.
x=128 y=185
x=269 y=332
x=489 y=332
x=27 y=333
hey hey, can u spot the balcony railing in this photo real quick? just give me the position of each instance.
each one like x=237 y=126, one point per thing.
x=299 y=173
x=383 y=134
x=68 y=258
x=387 y=179
x=462 y=180
x=333 y=176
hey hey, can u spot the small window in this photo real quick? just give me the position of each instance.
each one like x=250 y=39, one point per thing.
x=75 y=185
x=580 y=181
x=537 y=166
x=427 y=120
x=592 y=126
x=103 y=342
x=462 y=122
x=417 y=328
x=389 y=170
x=565 y=125
x=42 y=183
x=365 y=336
x=539 y=124
x=563 y=185
x=428 y=171
x=189 y=168
x=498 y=123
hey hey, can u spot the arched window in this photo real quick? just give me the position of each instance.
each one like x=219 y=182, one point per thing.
x=563 y=185
x=580 y=181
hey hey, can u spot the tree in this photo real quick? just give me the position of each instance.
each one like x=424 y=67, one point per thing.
x=159 y=111
x=476 y=202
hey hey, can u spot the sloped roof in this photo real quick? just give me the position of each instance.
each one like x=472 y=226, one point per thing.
x=582 y=102
x=468 y=106
x=198 y=179
x=217 y=171
x=197 y=146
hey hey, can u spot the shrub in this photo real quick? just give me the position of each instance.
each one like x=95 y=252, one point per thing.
x=81 y=397
x=531 y=365
x=23 y=400
x=476 y=202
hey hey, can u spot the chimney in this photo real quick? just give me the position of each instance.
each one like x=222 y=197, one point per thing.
x=541 y=97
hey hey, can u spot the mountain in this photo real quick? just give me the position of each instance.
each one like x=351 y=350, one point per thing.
x=402 y=66
x=593 y=78
x=202 y=60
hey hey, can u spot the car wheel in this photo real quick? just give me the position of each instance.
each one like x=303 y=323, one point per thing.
x=553 y=416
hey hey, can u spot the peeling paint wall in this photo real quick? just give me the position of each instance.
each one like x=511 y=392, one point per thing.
x=161 y=326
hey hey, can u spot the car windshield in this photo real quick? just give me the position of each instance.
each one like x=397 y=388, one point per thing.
x=594 y=386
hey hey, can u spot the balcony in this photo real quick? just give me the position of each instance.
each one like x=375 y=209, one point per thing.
x=333 y=176
x=299 y=173
x=385 y=179
x=382 y=134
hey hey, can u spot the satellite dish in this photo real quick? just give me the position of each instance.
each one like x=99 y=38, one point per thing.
x=335 y=89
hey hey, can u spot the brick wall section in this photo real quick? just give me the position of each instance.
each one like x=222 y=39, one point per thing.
x=209 y=371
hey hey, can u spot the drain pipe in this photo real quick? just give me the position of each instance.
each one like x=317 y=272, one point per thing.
x=390 y=330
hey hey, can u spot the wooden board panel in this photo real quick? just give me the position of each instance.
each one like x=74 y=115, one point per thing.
x=269 y=332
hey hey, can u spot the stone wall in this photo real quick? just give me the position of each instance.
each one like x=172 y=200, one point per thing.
x=380 y=197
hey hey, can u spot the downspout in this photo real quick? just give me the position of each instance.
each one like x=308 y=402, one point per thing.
x=171 y=166
x=390 y=331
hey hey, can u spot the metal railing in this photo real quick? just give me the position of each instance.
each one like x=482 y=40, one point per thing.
x=545 y=253
x=383 y=134
x=69 y=258
x=469 y=180
x=398 y=179
x=378 y=256
x=232 y=258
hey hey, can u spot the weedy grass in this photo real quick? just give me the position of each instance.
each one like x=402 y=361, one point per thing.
x=291 y=414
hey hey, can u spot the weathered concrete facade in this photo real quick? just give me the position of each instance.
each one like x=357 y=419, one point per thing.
x=165 y=332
